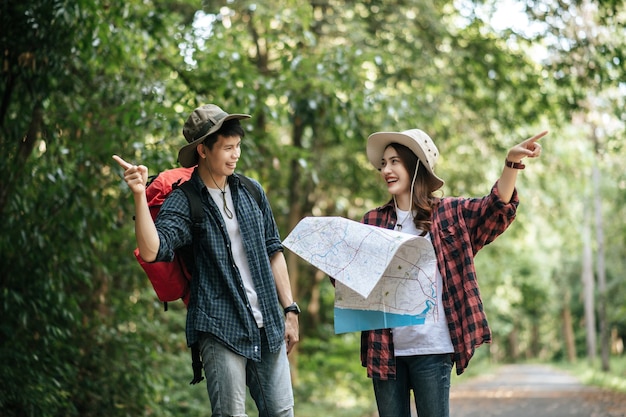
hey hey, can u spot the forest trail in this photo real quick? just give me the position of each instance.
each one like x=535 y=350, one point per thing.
x=532 y=391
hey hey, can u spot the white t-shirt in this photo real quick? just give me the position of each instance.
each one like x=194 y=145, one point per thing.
x=427 y=338
x=239 y=253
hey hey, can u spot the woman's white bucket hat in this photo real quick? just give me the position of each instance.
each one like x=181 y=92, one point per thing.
x=416 y=140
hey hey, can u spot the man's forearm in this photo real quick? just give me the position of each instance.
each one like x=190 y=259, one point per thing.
x=281 y=277
x=145 y=231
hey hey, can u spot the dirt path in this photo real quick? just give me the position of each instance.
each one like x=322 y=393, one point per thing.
x=532 y=391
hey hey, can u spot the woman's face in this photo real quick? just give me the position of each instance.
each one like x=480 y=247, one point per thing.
x=395 y=173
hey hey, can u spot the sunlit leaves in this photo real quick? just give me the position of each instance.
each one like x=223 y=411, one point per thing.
x=318 y=78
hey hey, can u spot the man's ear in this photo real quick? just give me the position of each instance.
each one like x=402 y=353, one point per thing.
x=201 y=150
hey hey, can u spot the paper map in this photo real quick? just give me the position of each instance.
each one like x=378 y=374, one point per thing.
x=384 y=278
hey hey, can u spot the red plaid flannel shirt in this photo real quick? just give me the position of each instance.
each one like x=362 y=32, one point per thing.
x=460 y=228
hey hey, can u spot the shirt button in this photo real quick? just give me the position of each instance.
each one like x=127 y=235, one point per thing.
x=256 y=349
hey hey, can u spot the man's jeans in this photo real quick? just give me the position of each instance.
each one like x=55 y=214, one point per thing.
x=428 y=376
x=228 y=373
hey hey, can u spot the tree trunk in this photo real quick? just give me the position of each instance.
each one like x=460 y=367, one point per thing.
x=568 y=329
x=535 y=336
x=588 y=288
x=605 y=340
x=313 y=311
x=513 y=344
x=295 y=214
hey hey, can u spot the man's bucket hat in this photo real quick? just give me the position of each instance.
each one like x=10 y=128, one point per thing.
x=201 y=123
x=416 y=140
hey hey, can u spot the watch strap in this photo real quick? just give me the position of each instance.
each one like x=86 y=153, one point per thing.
x=514 y=165
x=292 y=308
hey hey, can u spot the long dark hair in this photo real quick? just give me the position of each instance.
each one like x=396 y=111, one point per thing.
x=423 y=199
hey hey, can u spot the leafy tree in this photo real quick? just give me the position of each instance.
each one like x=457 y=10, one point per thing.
x=587 y=65
x=83 y=80
x=69 y=329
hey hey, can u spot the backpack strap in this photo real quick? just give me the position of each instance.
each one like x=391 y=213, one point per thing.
x=195 y=203
x=252 y=189
x=195 y=207
x=197 y=214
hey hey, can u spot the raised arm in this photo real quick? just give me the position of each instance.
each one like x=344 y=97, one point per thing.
x=528 y=148
x=136 y=176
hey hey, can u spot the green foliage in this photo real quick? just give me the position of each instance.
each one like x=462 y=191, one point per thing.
x=58 y=296
x=64 y=293
x=81 y=331
x=332 y=381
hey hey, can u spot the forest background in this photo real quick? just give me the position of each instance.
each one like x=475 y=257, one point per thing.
x=81 y=331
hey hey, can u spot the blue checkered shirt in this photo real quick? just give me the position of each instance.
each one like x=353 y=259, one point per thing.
x=218 y=303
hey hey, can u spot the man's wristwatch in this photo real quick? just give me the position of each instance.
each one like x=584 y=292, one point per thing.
x=293 y=308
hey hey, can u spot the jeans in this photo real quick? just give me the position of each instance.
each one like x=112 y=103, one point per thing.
x=228 y=374
x=429 y=378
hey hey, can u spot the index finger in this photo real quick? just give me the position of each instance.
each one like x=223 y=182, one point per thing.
x=121 y=162
x=538 y=136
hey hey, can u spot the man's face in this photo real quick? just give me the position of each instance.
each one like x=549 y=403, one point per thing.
x=222 y=158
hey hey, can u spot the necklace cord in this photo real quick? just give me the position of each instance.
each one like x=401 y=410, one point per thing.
x=227 y=211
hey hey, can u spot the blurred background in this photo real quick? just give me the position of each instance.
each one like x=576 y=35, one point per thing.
x=81 y=330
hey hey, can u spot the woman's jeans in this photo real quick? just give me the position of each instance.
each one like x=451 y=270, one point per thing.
x=429 y=378
x=228 y=373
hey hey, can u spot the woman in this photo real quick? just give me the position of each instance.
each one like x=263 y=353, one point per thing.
x=420 y=357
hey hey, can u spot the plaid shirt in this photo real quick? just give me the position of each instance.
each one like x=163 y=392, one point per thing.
x=218 y=303
x=460 y=228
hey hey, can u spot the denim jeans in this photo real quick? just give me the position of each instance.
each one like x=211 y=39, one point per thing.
x=429 y=378
x=228 y=374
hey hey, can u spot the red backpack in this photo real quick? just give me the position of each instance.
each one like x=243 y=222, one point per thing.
x=170 y=280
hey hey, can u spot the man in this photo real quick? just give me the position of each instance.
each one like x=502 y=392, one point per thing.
x=240 y=279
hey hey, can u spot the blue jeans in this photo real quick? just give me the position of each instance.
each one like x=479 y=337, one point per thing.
x=429 y=378
x=228 y=374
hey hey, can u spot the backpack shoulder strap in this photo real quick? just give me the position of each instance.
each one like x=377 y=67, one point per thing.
x=252 y=189
x=195 y=203
x=197 y=216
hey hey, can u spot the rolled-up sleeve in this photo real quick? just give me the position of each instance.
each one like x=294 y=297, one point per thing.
x=173 y=225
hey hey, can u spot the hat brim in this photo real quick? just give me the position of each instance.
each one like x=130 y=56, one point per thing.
x=187 y=155
x=377 y=142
